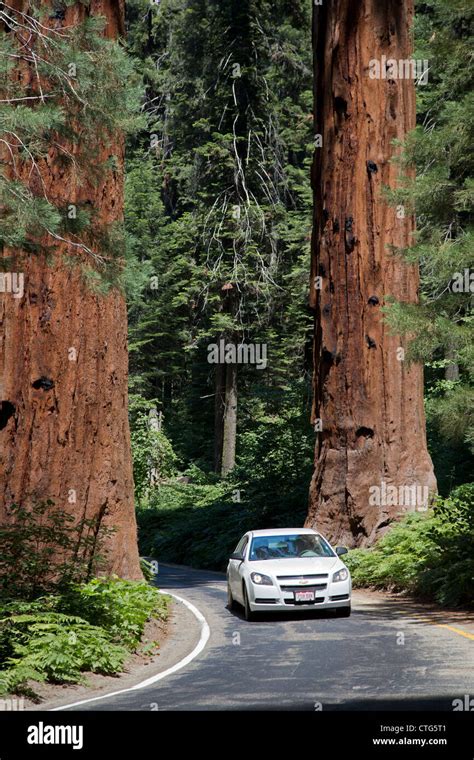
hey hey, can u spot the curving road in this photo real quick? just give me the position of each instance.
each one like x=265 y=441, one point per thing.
x=389 y=655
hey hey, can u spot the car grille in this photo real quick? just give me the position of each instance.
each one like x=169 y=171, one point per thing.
x=320 y=576
x=284 y=581
x=319 y=600
x=314 y=587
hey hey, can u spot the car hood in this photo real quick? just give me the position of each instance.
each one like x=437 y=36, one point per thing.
x=308 y=566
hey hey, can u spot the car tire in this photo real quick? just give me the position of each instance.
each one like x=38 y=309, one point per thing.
x=343 y=611
x=230 y=599
x=248 y=614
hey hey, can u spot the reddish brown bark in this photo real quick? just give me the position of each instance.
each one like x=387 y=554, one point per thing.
x=369 y=400
x=63 y=367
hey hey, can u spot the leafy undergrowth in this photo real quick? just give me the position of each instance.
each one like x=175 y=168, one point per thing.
x=430 y=554
x=89 y=627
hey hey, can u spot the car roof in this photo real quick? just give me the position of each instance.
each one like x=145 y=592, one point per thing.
x=282 y=531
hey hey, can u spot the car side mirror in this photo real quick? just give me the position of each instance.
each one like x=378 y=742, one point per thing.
x=341 y=550
x=236 y=555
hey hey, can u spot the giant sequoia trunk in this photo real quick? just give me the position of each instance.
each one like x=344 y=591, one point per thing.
x=368 y=398
x=63 y=365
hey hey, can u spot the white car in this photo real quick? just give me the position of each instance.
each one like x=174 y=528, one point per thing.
x=288 y=569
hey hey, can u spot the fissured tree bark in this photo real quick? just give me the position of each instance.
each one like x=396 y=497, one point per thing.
x=64 y=430
x=368 y=399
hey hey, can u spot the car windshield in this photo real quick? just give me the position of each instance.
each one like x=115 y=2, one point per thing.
x=292 y=546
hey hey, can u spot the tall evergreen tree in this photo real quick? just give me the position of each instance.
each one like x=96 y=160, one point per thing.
x=66 y=100
x=231 y=131
x=368 y=399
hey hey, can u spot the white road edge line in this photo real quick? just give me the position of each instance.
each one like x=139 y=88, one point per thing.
x=203 y=639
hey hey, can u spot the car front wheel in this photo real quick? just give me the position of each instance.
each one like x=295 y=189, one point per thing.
x=343 y=611
x=249 y=615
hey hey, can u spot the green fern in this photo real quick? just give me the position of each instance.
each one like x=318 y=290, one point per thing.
x=428 y=554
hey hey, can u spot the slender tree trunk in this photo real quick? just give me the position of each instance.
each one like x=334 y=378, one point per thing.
x=225 y=416
x=230 y=420
x=63 y=366
x=369 y=400
x=219 y=407
x=451 y=371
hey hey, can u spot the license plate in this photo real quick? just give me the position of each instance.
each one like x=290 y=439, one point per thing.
x=304 y=596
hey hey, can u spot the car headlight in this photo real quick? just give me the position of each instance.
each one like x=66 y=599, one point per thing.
x=261 y=580
x=341 y=575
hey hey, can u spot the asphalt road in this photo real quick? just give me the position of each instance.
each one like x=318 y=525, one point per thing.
x=386 y=656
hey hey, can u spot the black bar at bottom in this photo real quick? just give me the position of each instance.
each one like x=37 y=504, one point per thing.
x=99 y=734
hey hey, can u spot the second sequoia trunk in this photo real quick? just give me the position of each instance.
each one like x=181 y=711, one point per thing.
x=371 y=462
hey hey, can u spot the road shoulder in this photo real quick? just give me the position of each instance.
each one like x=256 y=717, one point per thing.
x=458 y=620
x=178 y=637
